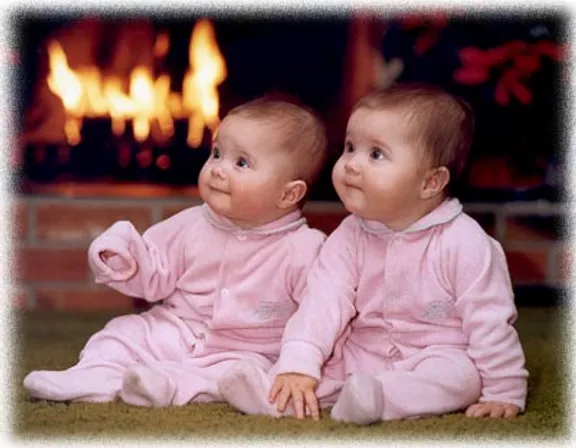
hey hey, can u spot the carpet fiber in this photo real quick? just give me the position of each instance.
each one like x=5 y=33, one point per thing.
x=53 y=341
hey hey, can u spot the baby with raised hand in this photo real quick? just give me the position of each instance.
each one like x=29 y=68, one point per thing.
x=224 y=276
x=410 y=300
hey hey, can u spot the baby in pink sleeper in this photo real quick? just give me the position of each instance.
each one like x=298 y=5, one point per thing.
x=225 y=276
x=409 y=297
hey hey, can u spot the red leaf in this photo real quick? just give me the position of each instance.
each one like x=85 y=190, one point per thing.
x=509 y=77
x=521 y=92
x=550 y=49
x=501 y=94
x=411 y=21
x=515 y=47
x=425 y=42
x=527 y=64
x=496 y=56
x=472 y=56
x=439 y=19
x=471 y=75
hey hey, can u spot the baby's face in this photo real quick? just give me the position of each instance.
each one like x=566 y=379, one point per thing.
x=244 y=177
x=380 y=172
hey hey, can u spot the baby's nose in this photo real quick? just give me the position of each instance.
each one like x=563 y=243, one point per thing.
x=217 y=171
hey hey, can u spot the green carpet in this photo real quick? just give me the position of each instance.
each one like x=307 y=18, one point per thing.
x=53 y=341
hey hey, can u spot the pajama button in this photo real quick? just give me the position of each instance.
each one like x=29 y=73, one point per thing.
x=241 y=237
x=225 y=292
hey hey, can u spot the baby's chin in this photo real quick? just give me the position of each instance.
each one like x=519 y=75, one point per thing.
x=351 y=204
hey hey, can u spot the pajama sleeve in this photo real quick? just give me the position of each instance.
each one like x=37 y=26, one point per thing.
x=485 y=302
x=326 y=307
x=304 y=249
x=147 y=266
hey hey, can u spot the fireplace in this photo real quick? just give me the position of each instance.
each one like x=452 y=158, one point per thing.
x=137 y=101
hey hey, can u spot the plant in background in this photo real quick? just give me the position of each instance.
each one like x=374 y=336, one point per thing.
x=508 y=69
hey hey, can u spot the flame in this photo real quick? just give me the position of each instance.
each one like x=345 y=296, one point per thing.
x=149 y=103
x=207 y=70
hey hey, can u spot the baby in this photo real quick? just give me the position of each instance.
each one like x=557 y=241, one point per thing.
x=225 y=276
x=410 y=297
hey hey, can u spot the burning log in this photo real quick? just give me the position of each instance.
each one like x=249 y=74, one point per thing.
x=76 y=88
x=106 y=102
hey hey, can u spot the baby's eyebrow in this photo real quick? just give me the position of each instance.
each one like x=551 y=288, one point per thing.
x=243 y=153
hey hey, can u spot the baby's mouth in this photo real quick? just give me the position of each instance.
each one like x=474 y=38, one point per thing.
x=218 y=190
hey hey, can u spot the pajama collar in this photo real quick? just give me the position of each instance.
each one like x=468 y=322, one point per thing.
x=286 y=223
x=445 y=212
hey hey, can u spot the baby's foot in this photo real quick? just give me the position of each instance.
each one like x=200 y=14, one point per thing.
x=361 y=401
x=96 y=385
x=144 y=386
x=246 y=387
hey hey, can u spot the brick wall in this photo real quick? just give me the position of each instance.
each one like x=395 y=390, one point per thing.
x=52 y=233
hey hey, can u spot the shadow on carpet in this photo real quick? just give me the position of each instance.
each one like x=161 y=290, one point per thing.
x=49 y=341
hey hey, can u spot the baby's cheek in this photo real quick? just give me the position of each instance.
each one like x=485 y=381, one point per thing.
x=338 y=170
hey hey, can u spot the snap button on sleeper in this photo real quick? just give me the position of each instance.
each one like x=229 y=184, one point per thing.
x=241 y=237
x=225 y=292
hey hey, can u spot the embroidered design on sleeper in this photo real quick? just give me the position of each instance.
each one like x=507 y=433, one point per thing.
x=272 y=310
x=437 y=310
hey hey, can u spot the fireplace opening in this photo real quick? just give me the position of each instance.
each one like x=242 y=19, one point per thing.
x=137 y=101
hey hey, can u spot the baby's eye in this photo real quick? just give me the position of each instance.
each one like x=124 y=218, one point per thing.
x=242 y=163
x=376 y=154
x=215 y=153
x=348 y=147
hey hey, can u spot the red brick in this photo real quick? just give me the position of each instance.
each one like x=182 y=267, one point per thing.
x=81 y=299
x=58 y=221
x=531 y=228
x=564 y=265
x=528 y=266
x=325 y=221
x=47 y=264
x=19 y=300
x=20 y=220
x=169 y=210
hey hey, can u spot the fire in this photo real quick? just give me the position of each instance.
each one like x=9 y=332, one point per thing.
x=149 y=103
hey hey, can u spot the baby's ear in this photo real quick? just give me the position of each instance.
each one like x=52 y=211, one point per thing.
x=435 y=181
x=293 y=193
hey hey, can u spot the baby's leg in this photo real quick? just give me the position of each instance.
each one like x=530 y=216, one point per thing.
x=431 y=383
x=176 y=384
x=98 y=375
x=246 y=387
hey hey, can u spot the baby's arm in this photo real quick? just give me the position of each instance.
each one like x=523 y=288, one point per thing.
x=147 y=265
x=305 y=247
x=326 y=307
x=485 y=302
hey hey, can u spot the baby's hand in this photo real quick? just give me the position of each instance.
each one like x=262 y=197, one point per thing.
x=298 y=387
x=493 y=409
x=105 y=254
x=122 y=266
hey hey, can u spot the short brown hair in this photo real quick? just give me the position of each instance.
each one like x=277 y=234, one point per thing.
x=303 y=132
x=443 y=123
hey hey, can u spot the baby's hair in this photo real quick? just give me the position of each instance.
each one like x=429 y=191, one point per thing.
x=443 y=123
x=303 y=132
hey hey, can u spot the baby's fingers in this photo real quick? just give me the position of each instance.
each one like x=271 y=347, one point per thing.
x=298 y=403
x=282 y=399
x=312 y=403
x=476 y=410
x=511 y=412
x=274 y=390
